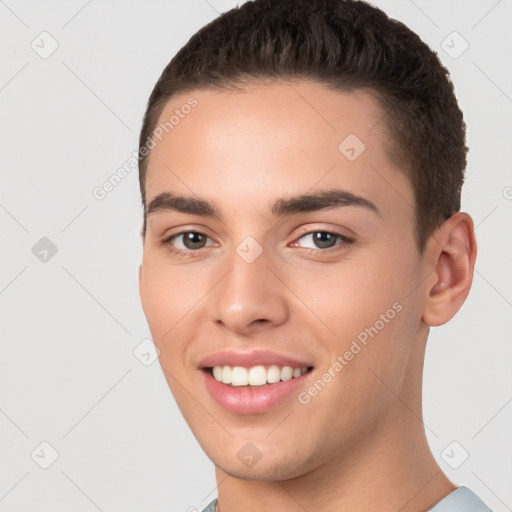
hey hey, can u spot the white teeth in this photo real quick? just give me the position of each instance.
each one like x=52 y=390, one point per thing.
x=286 y=373
x=256 y=375
x=217 y=373
x=239 y=377
x=273 y=374
x=226 y=375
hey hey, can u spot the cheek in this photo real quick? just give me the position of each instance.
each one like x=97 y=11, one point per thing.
x=348 y=297
x=168 y=300
x=169 y=295
x=169 y=303
x=371 y=318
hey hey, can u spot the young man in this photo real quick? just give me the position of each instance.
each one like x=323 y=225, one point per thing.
x=301 y=168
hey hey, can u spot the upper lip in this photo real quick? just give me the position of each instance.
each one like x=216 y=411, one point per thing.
x=251 y=358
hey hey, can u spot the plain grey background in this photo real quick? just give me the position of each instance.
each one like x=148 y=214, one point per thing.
x=77 y=392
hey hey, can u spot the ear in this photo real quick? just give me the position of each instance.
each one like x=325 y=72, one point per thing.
x=452 y=254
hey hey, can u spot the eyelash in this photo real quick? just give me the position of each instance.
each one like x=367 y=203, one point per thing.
x=346 y=242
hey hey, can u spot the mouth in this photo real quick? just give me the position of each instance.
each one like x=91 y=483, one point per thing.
x=256 y=376
x=256 y=389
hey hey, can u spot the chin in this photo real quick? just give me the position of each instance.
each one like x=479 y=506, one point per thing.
x=270 y=467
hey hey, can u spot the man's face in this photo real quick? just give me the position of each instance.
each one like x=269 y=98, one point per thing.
x=334 y=290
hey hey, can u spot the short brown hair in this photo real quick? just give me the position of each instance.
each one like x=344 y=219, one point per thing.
x=343 y=45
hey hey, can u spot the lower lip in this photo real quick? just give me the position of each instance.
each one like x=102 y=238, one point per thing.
x=256 y=400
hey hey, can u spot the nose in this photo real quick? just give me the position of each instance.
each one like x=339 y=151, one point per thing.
x=249 y=297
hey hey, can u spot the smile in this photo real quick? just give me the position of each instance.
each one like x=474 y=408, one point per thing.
x=260 y=375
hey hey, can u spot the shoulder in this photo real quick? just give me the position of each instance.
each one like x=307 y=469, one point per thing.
x=461 y=500
x=211 y=506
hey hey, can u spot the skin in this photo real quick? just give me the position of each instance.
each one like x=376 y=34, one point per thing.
x=359 y=444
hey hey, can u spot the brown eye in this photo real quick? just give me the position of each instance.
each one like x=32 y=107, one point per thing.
x=193 y=240
x=324 y=240
x=186 y=242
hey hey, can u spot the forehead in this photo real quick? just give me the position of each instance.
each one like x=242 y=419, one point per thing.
x=274 y=140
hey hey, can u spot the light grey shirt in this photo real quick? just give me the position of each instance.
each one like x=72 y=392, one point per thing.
x=460 y=500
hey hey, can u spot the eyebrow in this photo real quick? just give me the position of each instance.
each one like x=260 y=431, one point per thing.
x=321 y=200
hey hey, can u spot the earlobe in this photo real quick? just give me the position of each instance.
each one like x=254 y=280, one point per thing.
x=454 y=255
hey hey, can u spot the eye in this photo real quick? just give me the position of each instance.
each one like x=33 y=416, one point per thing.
x=324 y=240
x=191 y=241
x=188 y=243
